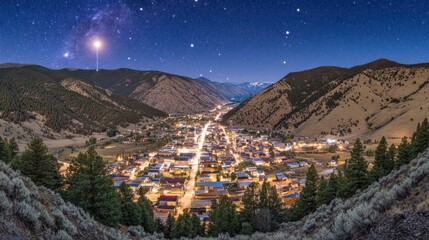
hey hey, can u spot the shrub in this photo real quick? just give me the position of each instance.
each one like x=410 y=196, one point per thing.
x=62 y=235
x=5 y=204
x=4 y=182
x=63 y=222
x=28 y=214
x=137 y=231
x=18 y=190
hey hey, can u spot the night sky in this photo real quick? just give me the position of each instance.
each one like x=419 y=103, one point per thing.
x=223 y=40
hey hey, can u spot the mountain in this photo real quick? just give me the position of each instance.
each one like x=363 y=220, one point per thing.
x=379 y=98
x=236 y=92
x=30 y=92
x=167 y=92
x=31 y=212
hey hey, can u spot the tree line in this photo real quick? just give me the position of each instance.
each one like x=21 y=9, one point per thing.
x=355 y=175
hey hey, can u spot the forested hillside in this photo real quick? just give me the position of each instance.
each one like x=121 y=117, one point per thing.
x=69 y=104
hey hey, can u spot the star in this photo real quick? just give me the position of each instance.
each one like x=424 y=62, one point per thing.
x=287 y=32
x=129 y=58
x=284 y=62
x=66 y=54
x=192 y=45
x=141 y=9
x=298 y=10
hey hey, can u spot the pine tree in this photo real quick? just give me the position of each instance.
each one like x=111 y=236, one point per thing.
x=13 y=148
x=223 y=217
x=404 y=153
x=379 y=161
x=275 y=205
x=130 y=211
x=307 y=202
x=37 y=164
x=322 y=192
x=159 y=226
x=196 y=223
x=183 y=226
x=250 y=203
x=421 y=139
x=263 y=195
x=390 y=160
x=4 y=154
x=90 y=188
x=169 y=227
x=147 y=216
x=356 y=172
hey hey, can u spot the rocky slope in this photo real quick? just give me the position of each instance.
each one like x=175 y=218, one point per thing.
x=31 y=92
x=31 y=212
x=375 y=99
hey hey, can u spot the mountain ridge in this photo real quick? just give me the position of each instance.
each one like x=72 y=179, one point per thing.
x=314 y=102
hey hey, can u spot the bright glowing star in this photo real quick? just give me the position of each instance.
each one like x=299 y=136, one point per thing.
x=129 y=58
x=298 y=10
x=97 y=44
x=284 y=62
x=287 y=32
x=192 y=45
x=66 y=54
x=141 y=9
x=211 y=71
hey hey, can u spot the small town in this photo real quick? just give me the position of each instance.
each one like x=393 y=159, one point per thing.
x=206 y=160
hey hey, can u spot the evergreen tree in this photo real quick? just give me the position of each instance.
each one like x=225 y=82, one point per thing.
x=390 y=160
x=223 y=217
x=356 y=172
x=183 y=226
x=198 y=227
x=130 y=211
x=147 y=217
x=379 y=160
x=421 y=139
x=90 y=188
x=263 y=195
x=250 y=201
x=37 y=164
x=322 y=192
x=169 y=227
x=159 y=226
x=275 y=205
x=404 y=153
x=307 y=202
x=4 y=154
x=13 y=148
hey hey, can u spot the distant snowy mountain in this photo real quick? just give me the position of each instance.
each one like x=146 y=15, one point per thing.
x=236 y=92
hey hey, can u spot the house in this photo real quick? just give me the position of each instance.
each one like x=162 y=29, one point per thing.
x=167 y=200
x=293 y=165
x=281 y=176
x=257 y=161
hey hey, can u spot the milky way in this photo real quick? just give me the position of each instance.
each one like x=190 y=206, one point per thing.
x=223 y=40
x=106 y=24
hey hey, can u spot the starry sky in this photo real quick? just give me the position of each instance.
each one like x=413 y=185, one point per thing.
x=223 y=40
